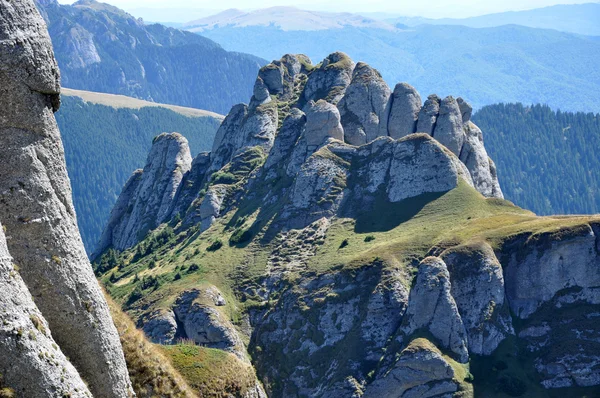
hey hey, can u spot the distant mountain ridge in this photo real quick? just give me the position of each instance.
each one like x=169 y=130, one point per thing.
x=285 y=18
x=101 y=48
x=573 y=18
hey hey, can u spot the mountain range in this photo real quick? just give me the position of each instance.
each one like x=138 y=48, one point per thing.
x=101 y=48
x=574 y=18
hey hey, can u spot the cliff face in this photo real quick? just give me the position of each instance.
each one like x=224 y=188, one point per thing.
x=356 y=243
x=41 y=231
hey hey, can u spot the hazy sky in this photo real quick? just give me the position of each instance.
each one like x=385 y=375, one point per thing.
x=425 y=8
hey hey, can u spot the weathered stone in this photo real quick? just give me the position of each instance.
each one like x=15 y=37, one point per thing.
x=537 y=269
x=478 y=289
x=449 y=126
x=26 y=343
x=322 y=122
x=210 y=208
x=191 y=184
x=272 y=76
x=421 y=371
x=160 y=327
x=466 y=110
x=431 y=307
x=403 y=109
x=37 y=209
x=204 y=324
x=330 y=80
x=362 y=108
x=287 y=139
x=155 y=193
x=260 y=93
x=421 y=165
x=475 y=157
x=428 y=115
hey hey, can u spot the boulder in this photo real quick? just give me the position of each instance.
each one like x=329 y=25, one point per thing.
x=449 y=126
x=322 y=122
x=431 y=307
x=211 y=205
x=428 y=115
x=477 y=286
x=37 y=209
x=330 y=80
x=362 y=108
x=403 y=109
x=421 y=165
x=31 y=363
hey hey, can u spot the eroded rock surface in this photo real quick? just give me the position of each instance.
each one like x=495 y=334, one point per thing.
x=404 y=107
x=37 y=210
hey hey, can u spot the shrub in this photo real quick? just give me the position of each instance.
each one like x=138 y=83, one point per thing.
x=369 y=238
x=216 y=245
x=193 y=268
x=344 y=243
x=240 y=235
x=223 y=177
x=177 y=277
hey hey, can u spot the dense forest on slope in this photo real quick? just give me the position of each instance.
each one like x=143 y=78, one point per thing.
x=486 y=66
x=104 y=145
x=101 y=48
x=547 y=161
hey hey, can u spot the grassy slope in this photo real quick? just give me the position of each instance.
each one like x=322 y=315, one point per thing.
x=399 y=234
x=122 y=101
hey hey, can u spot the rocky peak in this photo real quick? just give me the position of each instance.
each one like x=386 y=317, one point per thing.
x=147 y=199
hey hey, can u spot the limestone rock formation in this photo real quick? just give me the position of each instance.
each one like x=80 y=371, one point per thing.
x=431 y=306
x=37 y=210
x=330 y=80
x=478 y=289
x=428 y=115
x=449 y=126
x=421 y=371
x=322 y=122
x=148 y=197
x=31 y=363
x=421 y=165
x=475 y=157
x=403 y=111
x=362 y=108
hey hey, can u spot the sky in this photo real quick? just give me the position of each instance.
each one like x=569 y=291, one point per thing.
x=428 y=8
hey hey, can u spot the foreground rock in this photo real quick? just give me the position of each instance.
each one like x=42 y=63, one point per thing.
x=37 y=211
x=32 y=364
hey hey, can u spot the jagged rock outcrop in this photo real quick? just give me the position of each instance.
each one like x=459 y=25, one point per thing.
x=428 y=115
x=475 y=157
x=330 y=80
x=403 y=112
x=421 y=165
x=148 y=197
x=478 y=288
x=449 y=126
x=37 y=210
x=431 y=307
x=363 y=106
x=421 y=371
x=31 y=364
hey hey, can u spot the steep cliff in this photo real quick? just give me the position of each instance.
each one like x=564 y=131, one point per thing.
x=41 y=230
x=355 y=243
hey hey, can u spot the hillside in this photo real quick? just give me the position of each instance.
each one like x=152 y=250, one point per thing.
x=573 y=18
x=346 y=240
x=103 y=49
x=100 y=156
x=490 y=65
x=548 y=161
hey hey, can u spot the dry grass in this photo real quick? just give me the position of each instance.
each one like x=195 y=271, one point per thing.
x=151 y=373
x=121 y=101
